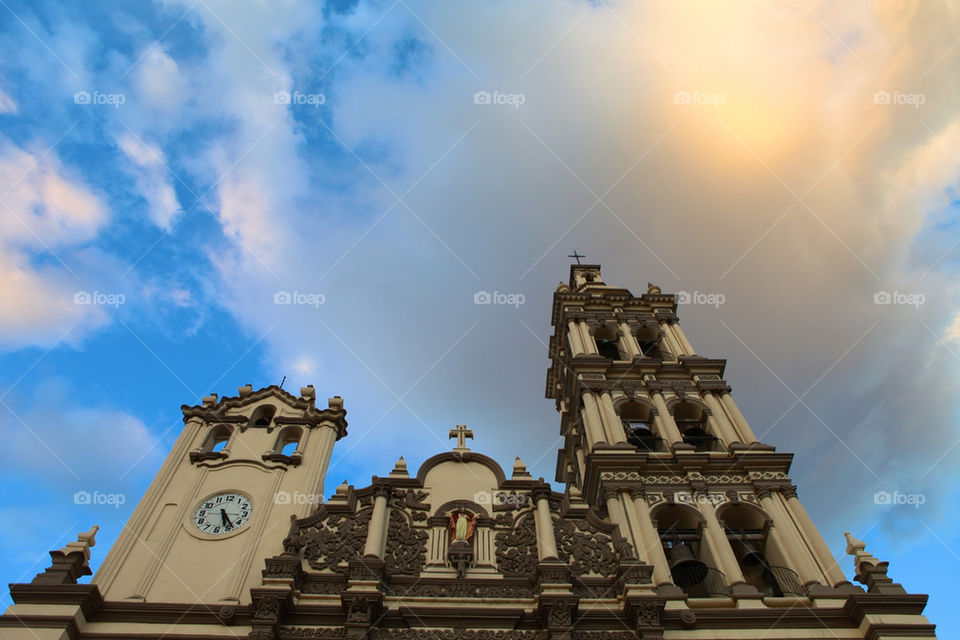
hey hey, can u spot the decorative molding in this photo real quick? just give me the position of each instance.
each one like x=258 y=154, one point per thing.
x=516 y=550
x=406 y=551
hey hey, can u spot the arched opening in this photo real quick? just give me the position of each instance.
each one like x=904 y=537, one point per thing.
x=649 y=342
x=263 y=416
x=606 y=339
x=691 y=420
x=214 y=444
x=286 y=447
x=761 y=563
x=688 y=556
x=637 y=421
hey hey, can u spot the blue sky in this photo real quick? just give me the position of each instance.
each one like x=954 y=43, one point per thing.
x=182 y=162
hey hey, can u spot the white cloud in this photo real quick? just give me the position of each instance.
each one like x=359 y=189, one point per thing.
x=711 y=190
x=47 y=210
x=7 y=104
x=150 y=172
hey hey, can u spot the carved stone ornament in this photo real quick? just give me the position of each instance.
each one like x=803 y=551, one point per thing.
x=267 y=609
x=457 y=634
x=462 y=590
x=332 y=543
x=586 y=550
x=324 y=633
x=406 y=551
x=517 y=549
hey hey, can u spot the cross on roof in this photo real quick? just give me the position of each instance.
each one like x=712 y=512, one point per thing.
x=461 y=433
x=576 y=255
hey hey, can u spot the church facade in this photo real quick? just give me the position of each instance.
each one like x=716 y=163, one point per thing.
x=674 y=522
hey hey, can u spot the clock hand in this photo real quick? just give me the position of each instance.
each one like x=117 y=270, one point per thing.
x=225 y=519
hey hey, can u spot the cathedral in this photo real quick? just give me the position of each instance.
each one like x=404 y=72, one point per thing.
x=672 y=522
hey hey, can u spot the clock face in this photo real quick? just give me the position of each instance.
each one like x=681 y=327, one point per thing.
x=222 y=513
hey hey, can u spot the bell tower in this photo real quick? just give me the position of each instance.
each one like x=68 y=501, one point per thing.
x=223 y=498
x=653 y=438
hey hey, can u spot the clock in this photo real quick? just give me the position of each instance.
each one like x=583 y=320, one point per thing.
x=222 y=513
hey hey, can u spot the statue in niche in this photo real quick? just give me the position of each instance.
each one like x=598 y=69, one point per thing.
x=460 y=552
x=462 y=524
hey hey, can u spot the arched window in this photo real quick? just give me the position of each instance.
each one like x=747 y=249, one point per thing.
x=286 y=447
x=214 y=444
x=637 y=420
x=688 y=556
x=691 y=420
x=606 y=339
x=263 y=416
x=760 y=561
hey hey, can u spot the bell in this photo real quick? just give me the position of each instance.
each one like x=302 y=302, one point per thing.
x=686 y=569
x=750 y=558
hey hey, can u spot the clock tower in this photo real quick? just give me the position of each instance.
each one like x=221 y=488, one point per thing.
x=222 y=500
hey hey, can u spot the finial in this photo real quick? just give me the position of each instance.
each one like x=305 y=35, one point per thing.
x=245 y=390
x=342 y=493
x=870 y=571
x=576 y=255
x=652 y=289
x=400 y=469
x=854 y=545
x=520 y=469
x=308 y=393
x=84 y=541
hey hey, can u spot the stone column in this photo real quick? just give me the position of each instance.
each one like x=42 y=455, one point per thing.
x=546 y=538
x=667 y=428
x=593 y=420
x=582 y=465
x=824 y=557
x=614 y=428
x=573 y=336
x=784 y=534
x=377 y=529
x=651 y=550
x=317 y=458
x=723 y=426
x=671 y=342
x=682 y=339
x=618 y=515
x=632 y=348
x=719 y=544
x=589 y=344
x=739 y=422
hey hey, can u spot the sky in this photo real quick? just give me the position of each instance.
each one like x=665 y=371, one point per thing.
x=172 y=171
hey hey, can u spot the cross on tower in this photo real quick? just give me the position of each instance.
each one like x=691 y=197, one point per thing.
x=576 y=255
x=461 y=433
